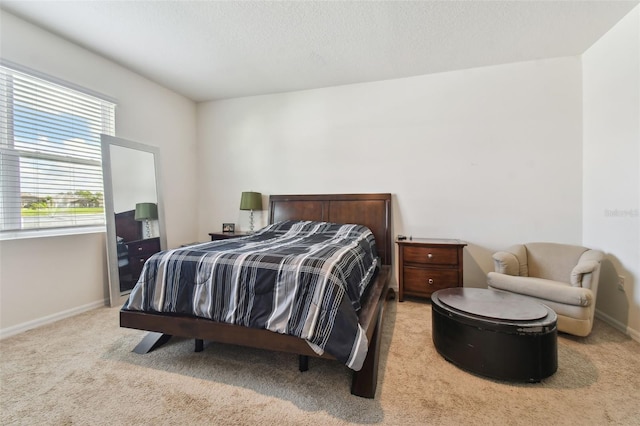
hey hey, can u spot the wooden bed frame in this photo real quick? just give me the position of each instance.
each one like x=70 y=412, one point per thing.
x=371 y=210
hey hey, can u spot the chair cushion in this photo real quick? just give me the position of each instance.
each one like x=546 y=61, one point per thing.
x=552 y=261
x=540 y=288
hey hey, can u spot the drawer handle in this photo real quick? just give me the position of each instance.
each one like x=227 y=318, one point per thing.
x=139 y=248
x=430 y=280
x=141 y=260
x=429 y=255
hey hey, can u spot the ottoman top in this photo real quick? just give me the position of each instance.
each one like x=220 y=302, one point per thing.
x=492 y=304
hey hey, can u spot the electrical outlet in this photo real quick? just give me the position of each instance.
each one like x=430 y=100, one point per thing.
x=621 y=282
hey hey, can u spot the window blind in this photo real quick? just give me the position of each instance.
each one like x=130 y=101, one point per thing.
x=50 y=157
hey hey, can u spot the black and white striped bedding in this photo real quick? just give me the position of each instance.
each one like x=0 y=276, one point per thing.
x=300 y=278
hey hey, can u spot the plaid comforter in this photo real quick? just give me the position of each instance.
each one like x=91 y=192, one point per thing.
x=300 y=278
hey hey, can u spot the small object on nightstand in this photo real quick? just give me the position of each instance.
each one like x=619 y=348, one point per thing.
x=228 y=227
x=401 y=237
x=427 y=265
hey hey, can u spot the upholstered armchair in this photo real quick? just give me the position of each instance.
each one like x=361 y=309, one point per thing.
x=563 y=277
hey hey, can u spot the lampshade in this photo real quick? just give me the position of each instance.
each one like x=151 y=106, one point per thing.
x=146 y=211
x=251 y=201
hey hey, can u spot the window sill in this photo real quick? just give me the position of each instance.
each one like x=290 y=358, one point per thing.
x=53 y=232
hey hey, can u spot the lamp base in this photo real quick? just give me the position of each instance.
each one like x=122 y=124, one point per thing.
x=146 y=230
x=251 y=222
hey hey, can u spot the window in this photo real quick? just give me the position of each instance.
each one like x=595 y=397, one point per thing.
x=50 y=156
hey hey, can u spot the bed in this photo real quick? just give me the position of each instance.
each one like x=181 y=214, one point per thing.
x=373 y=211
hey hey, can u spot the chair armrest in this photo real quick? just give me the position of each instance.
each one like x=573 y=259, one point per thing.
x=591 y=254
x=506 y=263
x=540 y=288
x=581 y=269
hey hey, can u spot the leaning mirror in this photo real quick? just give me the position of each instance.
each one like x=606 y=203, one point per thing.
x=133 y=209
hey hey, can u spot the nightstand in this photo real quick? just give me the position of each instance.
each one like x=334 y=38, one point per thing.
x=215 y=236
x=427 y=265
x=139 y=252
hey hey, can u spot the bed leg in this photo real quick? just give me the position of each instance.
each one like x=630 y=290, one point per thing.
x=365 y=381
x=391 y=294
x=151 y=342
x=199 y=345
x=303 y=363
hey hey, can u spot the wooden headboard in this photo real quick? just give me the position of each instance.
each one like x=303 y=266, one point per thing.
x=370 y=210
x=127 y=227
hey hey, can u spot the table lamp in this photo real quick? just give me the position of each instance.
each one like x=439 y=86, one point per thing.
x=146 y=212
x=251 y=201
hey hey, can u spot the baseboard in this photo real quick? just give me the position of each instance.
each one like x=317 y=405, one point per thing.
x=39 y=322
x=634 y=334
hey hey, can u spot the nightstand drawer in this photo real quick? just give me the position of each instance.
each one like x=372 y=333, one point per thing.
x=136 y=263
x=431 y=255
x=139 y=260
x=140 y=247
x=426 y=281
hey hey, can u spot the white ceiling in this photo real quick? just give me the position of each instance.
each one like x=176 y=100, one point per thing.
x=209 y=50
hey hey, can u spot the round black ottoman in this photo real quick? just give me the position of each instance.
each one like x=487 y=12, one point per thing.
x=495 y=334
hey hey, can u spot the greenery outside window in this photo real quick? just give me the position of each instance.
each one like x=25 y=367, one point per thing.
x=50 y=157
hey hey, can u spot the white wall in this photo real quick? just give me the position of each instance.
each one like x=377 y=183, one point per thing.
x=49 y=277
x=491 y=155
x=611 y=87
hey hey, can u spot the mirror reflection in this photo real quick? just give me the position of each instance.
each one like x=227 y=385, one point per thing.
x=133 y=209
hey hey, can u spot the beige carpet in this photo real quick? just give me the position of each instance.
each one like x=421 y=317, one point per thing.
x=81 y=371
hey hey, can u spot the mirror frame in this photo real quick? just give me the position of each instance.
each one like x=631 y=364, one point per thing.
x=116 y=296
